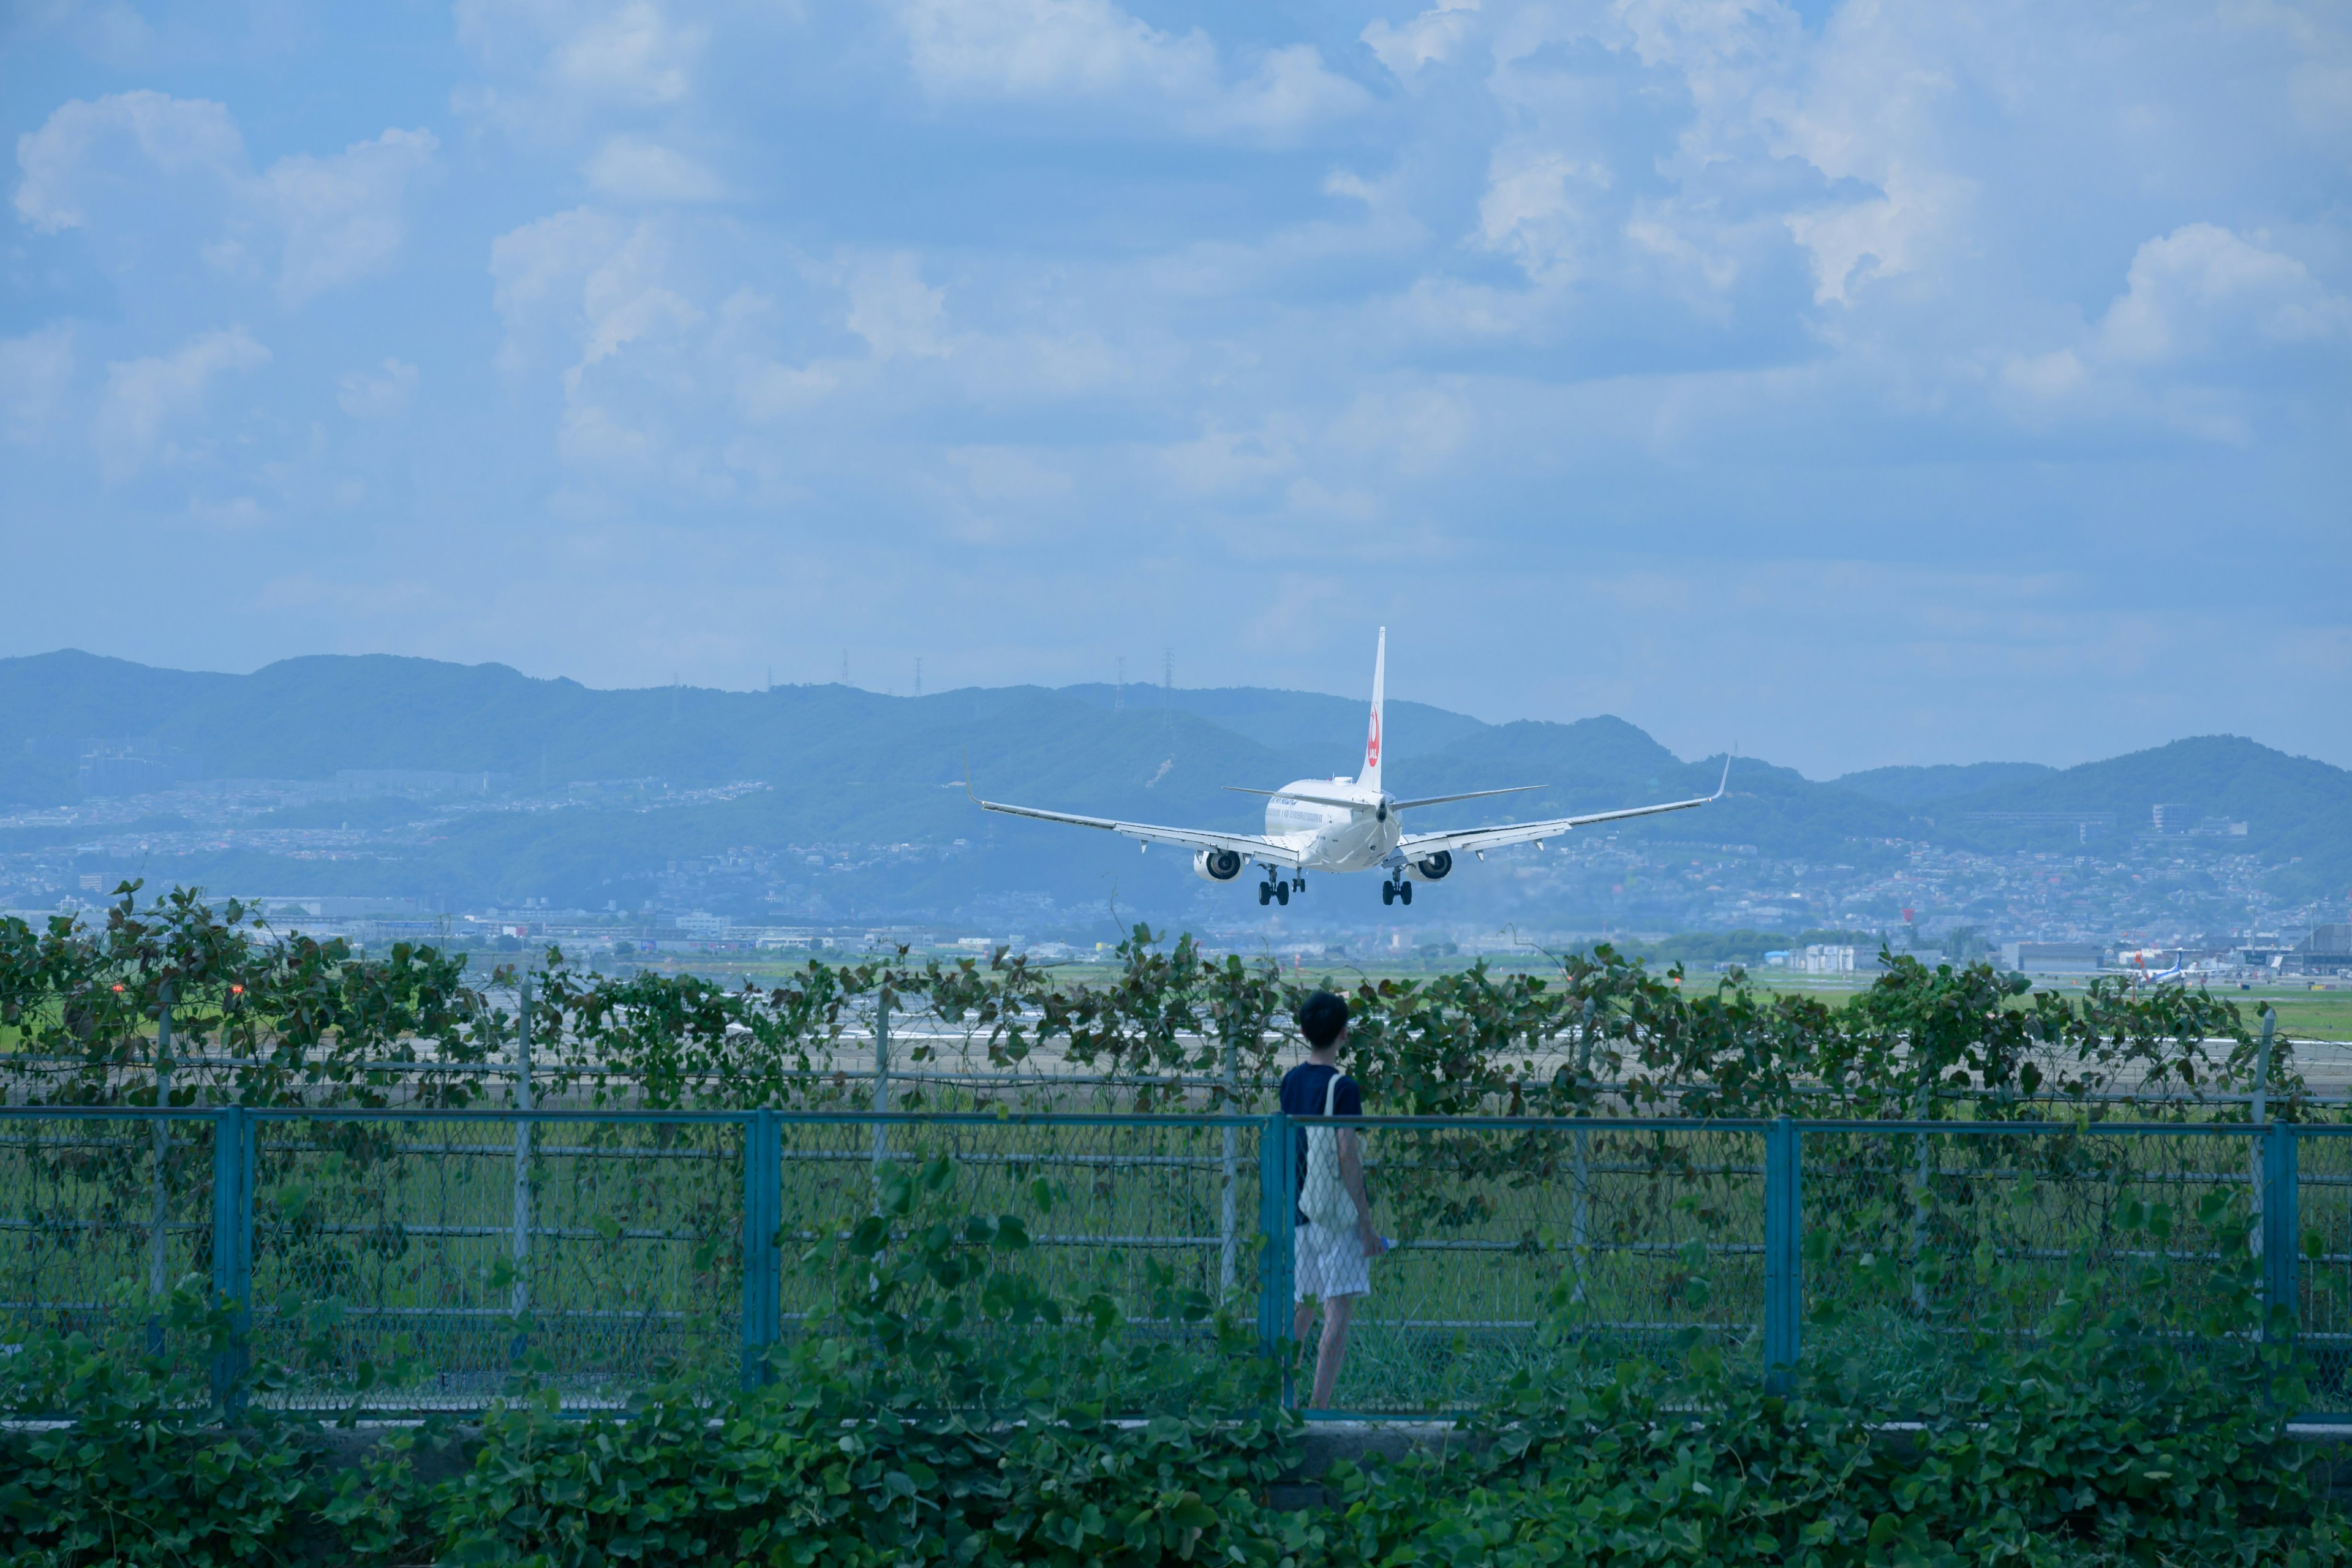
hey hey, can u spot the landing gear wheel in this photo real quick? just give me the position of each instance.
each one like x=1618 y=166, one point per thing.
x=1265 y=893
x=1282 y=894
x=1404 y=892
x=1388 y=892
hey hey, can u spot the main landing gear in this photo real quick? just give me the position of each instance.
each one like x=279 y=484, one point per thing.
x=1399 y=891
x=1276 y=889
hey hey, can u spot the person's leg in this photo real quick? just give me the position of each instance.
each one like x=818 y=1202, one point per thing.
x=1336 y=1311
x=1303 y=1319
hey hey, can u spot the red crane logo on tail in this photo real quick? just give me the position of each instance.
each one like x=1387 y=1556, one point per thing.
x=1372 y=744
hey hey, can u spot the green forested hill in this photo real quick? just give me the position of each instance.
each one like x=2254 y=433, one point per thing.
x=848 y=766
x=2298 y=812
x=1911 y=786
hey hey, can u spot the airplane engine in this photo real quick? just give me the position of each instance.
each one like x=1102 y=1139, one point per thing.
x=1431 y=868
x=1216 y=865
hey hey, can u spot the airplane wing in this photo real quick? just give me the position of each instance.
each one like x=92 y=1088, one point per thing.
x=1413 y=846
x=1248 y=845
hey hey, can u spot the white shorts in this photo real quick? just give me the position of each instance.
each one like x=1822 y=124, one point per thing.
x=1327 y=1263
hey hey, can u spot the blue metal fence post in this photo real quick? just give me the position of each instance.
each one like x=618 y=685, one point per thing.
x=1783 y=1254
x=763 y=1181
x=233 y=1159
x=2279 y=1225
x=1277 y=1188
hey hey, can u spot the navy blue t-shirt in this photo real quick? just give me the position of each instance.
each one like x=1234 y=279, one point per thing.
x=1303 y=1088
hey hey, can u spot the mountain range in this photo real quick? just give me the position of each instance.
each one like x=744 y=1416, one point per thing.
x=852 y=773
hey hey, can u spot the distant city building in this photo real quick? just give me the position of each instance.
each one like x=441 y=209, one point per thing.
x=1821 y=958
x=419 y=781
x=2052 y=957
x=2085 y=824
x=337 y=907
x=2188 y=822
x=2327 y=950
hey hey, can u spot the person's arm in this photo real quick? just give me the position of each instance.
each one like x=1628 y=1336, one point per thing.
x=1351 y=1173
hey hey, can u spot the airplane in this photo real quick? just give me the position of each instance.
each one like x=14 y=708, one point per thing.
x=2136 y=971
x=1345 y=825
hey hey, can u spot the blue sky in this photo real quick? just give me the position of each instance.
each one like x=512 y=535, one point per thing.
x=1865 y=382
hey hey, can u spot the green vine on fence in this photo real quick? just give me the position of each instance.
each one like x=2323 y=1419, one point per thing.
x=912 y=1425
x=283 y=1018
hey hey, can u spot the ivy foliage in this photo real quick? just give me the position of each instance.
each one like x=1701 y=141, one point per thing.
x=284 y=1020
x=145 y=1468
x=291 y=1017
x=2092 y=1439
x=913 y=1422
x=948 y=1408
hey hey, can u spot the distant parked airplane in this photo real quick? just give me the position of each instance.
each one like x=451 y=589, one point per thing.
x=2135 y=969
x=1346 y=825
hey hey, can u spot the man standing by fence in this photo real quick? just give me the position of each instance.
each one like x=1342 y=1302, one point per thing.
x=1331 y=1258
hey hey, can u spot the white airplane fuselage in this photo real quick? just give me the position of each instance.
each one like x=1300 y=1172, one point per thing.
x=1334 y=838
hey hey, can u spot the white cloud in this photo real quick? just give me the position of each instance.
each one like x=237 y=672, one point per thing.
x=2200 y=307
x=2202 y=289
x=384 y=396
x=1288 y=93
x=145 y=399
x=537 y=271
x=1092 y=51
x=136 y=168
x=1535 y=209
x=89 y=143
x=631 y=54
x=1052 y=48
x=573 y=59
x=634 y=169
x=893 y=311
x=1429 y=38
x=600 y=297
x=35 y=376
x=341 y=216
x=1879 y=237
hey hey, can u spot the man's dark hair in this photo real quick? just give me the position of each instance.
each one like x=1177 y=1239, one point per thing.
x=1321 y=1017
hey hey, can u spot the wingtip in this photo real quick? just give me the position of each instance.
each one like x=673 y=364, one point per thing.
x=967 y=778
x=1725 y=782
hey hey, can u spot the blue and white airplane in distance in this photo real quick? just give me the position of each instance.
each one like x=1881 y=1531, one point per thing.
x=1348 y=824
x=2135 y=969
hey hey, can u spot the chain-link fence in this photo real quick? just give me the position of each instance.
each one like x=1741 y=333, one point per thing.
x=423 y=1259
x=100 y=1217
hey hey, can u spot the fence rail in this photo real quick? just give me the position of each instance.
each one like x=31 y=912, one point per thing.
x=601 y=1245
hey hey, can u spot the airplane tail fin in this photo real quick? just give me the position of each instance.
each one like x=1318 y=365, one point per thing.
x=1370 y=777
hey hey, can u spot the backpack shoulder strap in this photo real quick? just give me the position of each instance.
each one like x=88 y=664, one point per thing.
x=1330 y=1093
